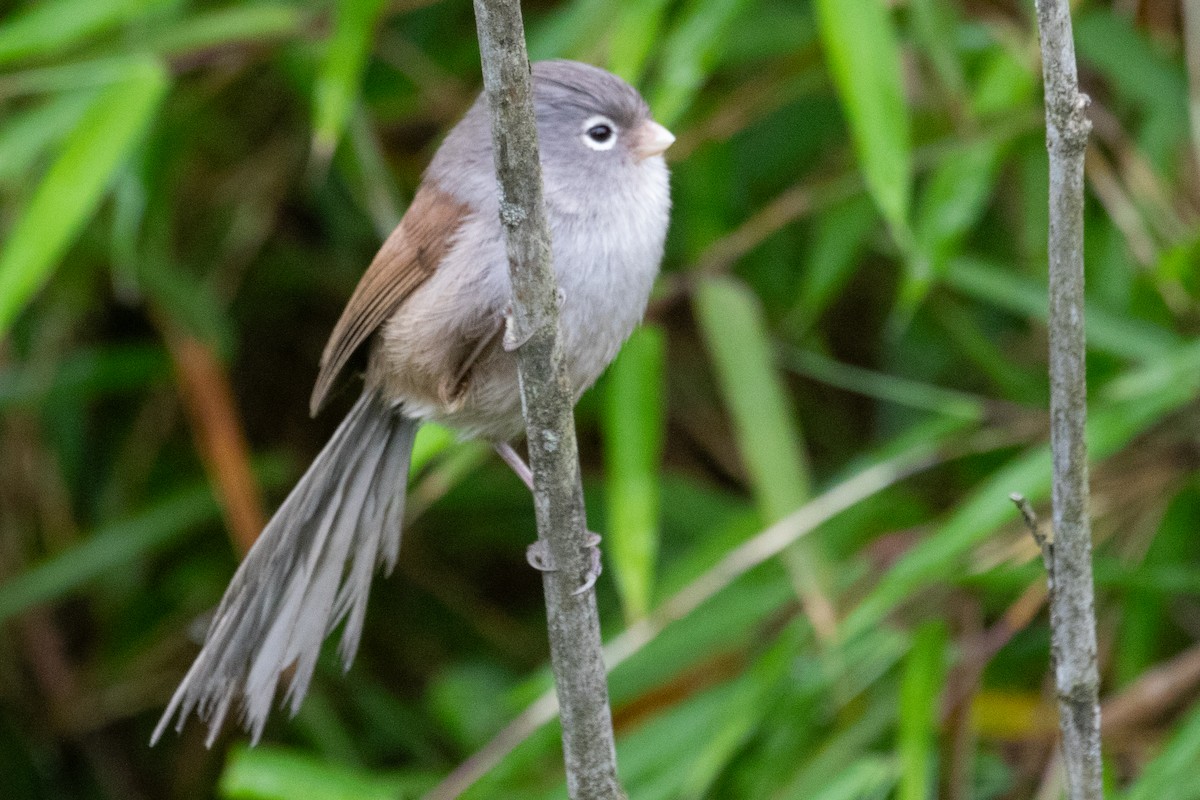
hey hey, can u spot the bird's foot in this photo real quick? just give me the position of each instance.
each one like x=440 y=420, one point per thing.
x=538 y=556
x=511 y=340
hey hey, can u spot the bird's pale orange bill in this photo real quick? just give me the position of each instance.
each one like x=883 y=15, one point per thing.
x=652 y=139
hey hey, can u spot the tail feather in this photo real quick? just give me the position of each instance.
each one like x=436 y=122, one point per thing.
x=310 y=569
x=383 y=511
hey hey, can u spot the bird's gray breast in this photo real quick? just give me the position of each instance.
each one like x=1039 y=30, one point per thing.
x=606 y=257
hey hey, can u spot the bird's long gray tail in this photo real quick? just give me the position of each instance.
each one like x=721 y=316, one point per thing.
x=310 y=569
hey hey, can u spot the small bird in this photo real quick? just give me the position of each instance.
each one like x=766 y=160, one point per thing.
x=431 y=311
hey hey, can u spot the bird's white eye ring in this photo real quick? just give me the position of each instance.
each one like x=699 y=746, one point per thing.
x=599 y=133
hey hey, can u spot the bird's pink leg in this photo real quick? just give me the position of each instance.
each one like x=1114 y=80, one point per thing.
x=536 y=554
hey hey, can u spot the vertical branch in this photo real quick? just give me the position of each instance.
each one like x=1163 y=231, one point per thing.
x=1072 y=605
x=572 y=620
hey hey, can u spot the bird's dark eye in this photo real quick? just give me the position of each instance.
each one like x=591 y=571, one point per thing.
x=600 y=133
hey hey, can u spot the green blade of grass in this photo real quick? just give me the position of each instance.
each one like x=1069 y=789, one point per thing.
x=1172 y=773
x=768 y=439
x=842 y=749
x=889 y=388
x=272 y=773
x=110 y=547
x=575 y=26
x=120 y=543
x=339 y=77
x=966 y=333
x=864 y=61
x=1146 y=610
x=82 y=375
x=1126 y=409
x=72 y=188
x=916 y=736
x=992 y=284
x=751 y=703
x=46 y=28
x=70 y=76
x=432 y=440
x=633 y=421
x=869 y=776
x=689 y=54
x=364 y=167
x=635 y=33
x=766 y=432
x=953 y=201
x=26 y=135
x=935 y=27
x=839 y=237
x=247 y=23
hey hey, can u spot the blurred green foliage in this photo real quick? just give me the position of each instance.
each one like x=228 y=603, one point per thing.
x=848 y=340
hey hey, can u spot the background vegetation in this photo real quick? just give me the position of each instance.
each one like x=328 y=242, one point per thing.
x=847 y=338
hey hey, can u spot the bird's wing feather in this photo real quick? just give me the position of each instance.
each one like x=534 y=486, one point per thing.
x=409 y=256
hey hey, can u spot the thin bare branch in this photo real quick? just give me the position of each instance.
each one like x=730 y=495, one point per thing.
x=1072 y=602
x=1035 y=529
x=572 y=619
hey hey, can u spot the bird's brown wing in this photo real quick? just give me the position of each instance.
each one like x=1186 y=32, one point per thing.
x=408 y=257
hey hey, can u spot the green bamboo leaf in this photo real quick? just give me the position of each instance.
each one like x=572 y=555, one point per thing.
x=864 y=62
x=82 y=375
x=768 y=438
x=27 y=134
x=72 y=188
x=889 y=388
x=224 y=26
x=115 y=545
x=953 y=201
x=46 y=28
x=1172 y=773
x=839 y=237
x=69 y=76
x=574 y=26
x=1145 y=624
x=1107 y=331
x=273 y=773
x=870 y=776
x=1126 y=408
x=339 y=77
x=432 y=440
x=936 y=27
x=635 y=33
x=921 y=684
x=830 y=773
x=690 y=52
x=633 y=420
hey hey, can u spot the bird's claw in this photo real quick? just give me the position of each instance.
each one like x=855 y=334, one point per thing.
x=595 y=564
x=511 y=341
x=538 y=556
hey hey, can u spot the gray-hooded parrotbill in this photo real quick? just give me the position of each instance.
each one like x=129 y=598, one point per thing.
x=430 y=311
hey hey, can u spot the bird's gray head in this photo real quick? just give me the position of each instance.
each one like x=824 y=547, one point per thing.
x=599 y=145
x=591 y=122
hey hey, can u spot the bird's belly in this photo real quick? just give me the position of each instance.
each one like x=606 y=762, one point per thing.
x=604 y=283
